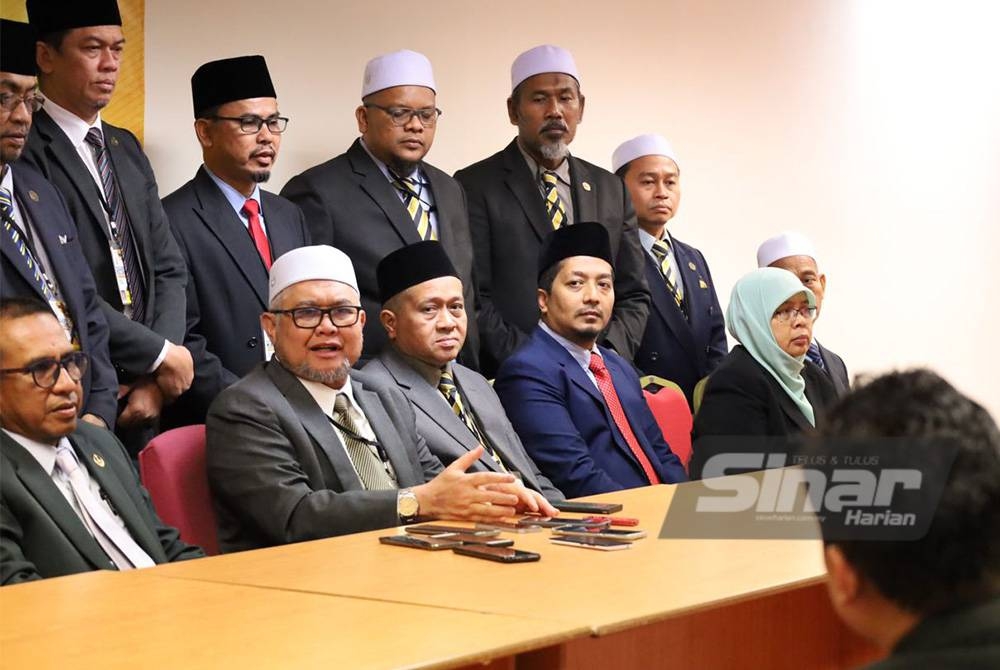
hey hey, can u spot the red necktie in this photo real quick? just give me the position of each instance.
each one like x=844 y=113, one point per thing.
x=252 y=211
x=607 y=388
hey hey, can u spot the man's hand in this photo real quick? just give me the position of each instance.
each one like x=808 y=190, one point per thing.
x=529 y=501
x=145 y=402
x=479 y=496
x=94 y=420
x=176 y=372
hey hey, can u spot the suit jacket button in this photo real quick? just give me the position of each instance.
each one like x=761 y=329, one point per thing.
x=708 y=350
x=252 y=342
x=654 y=355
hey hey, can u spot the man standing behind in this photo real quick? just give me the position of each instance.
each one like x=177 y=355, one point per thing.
x=423 y=312
x=109 y=186
x=685 y=334
x=39 y=251
x=381 y=195
x=795 y=252
x=69 y=499
x=577 y=406
x=228 y=229
x=520 y=194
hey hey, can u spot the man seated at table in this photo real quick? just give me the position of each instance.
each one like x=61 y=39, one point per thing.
x=301 y=448
x=578 y=407
x=69 y=499
x=933 y=602
x=457 y=409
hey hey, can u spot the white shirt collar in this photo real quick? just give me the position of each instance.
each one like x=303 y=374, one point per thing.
x=415 y=175
x=326 y=397
x=647 y=240
x=45 y=454
x=235 y=198
x=581 y=355
x=71 y=124
x=8 y=181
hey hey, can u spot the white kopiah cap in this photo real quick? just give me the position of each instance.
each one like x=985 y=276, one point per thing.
x=784 y=245
x=308 y=264
x=544 y=58
x=399 y=68
x=643 y=145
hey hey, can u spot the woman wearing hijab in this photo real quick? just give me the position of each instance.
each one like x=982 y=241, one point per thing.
x=765 y=387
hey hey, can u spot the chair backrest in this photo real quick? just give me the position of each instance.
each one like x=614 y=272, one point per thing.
x=699 y=393
x=673 y=416
x=172 y=467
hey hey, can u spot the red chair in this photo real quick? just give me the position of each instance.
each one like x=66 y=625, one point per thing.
x=673 y=416
x=172 y=467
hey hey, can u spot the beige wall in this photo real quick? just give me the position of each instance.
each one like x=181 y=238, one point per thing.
x=869 y=125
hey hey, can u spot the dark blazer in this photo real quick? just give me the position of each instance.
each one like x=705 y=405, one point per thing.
x=134 y=346
x=836 y=370
x=673 y=347
x=350 y=204
x=566 y=426
x=446 y=435
x=279 y=474
x=227 y=285
x=508 y=223
x=56 y=232
x=40 y=534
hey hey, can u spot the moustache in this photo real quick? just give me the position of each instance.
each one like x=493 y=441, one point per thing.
x=555 y=125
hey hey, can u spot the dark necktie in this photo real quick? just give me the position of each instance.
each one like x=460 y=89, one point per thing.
x=251 y=209
x=553 y=203
x=815 y=356
x=407 y=186
x=121 y=229
x=607 y=387
x=661 y=250
x=449 y=390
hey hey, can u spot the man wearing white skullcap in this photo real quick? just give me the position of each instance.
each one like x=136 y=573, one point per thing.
x=304 y=448
x=796 y=253
x=685 y=334
x=533 y=186
x=380 y=195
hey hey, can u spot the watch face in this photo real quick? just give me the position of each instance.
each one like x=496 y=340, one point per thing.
x=408 y=505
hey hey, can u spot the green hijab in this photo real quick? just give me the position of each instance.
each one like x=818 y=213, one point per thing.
x=751 y=306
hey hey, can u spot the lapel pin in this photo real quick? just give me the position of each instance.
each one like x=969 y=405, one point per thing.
x=114 y=140
x=63 y=239
x=702 y=284
x=98 y=460
x=33 y=195
x=586 y=185
x=691 y=265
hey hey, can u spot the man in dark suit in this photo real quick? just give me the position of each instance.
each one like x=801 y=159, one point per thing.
x=685 y=336
x=302 y=448
x=381 y=195
x=795 y=252
x=228 y=229
x=931 y=602
x=457 y=410
x=110 y=189
x=518 y=195
x=578 y=407
x=39 y=251
x=69 y=499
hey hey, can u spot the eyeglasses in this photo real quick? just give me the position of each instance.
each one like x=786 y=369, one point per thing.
x=45 y=372
x=341 y=316
x=32 y=101
x=400 y=116
x=786 y=315
x=251 y=125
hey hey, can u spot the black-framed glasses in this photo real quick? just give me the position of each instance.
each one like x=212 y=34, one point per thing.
x=251 y=125
x=400 y=116
x=33 y=101
x=341 y=316
x=788 y=314
x=45 y=372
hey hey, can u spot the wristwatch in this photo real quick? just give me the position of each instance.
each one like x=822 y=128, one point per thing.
x=407 y=506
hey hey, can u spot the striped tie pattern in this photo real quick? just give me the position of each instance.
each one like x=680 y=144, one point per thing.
x=815 y=356
x=449 y=390
x=553 y=203
x=411 y=199
x=120 y=226
x=369 y=466
x=35 y=270
x=661 y=249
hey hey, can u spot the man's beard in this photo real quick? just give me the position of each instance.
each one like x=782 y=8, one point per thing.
x=260 y=176
x=401 y=167
x=555 y=151
x=334 y=378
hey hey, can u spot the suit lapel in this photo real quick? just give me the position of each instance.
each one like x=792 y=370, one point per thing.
x=50 y=498
x=470 y=383
x=573 y=370
x=220 y=219
x=790 y=409
x=10 y=251
x=667 y=308
x=378 y=188
x=279 y=230
x=385 y=433
x=521 y=183
x=584 y=195
x=442 y=210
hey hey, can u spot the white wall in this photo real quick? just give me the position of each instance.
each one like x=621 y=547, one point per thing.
x=870 y=125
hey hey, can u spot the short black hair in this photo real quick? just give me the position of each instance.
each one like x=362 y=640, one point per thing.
x=15 y=308
x=623 y=170
x=208 y=112
x=958 y=561
x=55 y=39
x=548 y=278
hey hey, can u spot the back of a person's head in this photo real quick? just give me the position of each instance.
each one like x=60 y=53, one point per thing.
x=958 y=561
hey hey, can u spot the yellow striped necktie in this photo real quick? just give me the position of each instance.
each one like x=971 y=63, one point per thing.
x=407 y=186
x=661 y=249
x=449 y=390
x=553 y=203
